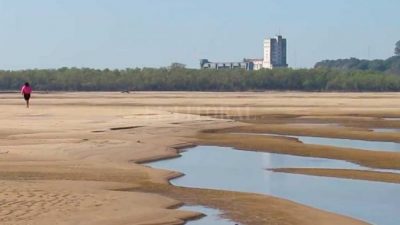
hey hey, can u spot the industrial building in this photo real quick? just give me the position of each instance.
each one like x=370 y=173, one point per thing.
x=205 y=64
x=274 y=57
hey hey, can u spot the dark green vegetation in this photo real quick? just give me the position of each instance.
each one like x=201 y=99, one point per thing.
x=397 y=49
x=390 y=65
x=180 y=79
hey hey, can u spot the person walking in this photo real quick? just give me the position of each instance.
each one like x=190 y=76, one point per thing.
x=26 y=91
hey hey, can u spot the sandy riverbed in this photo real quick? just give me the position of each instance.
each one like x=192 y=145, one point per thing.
x=63 y=160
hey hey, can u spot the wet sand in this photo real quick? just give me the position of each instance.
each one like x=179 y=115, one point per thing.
x=67 y=158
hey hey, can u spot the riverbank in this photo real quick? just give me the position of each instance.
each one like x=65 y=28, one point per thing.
x=62 y=159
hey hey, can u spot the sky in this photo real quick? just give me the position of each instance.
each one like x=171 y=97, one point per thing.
x=120 y=34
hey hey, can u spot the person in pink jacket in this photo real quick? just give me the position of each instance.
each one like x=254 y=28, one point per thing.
x=26 y=91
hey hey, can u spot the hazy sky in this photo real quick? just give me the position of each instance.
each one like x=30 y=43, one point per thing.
x=153 y=33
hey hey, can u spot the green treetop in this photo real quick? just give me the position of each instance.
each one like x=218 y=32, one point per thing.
x=397 y=49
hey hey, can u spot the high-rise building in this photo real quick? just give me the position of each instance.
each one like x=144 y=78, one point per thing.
x=275 y=52
x=274 y=57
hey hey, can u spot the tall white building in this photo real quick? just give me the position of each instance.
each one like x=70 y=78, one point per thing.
x=275 y=52
x=274 y=57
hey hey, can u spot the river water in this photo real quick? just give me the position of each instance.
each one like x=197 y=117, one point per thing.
x=229 y=169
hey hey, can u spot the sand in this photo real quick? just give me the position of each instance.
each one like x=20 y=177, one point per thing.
x=67 y=159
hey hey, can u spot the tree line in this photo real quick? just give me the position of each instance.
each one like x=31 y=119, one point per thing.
x=181 y=79
x=390 y=65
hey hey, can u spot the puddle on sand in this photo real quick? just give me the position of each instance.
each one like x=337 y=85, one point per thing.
x=341 y=143
x=212 y=216
x=228 y=169
x=386 y=130
x=350 y=143
x=318 y=124
x=392 y=119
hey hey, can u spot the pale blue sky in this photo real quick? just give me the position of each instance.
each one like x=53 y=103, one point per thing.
x=153 y=33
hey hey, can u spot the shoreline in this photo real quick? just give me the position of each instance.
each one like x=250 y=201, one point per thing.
x=177 y=148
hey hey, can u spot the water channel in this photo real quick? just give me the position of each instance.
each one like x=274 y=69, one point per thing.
x=229 y=169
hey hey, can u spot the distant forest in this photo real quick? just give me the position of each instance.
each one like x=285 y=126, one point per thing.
x=327 y=76
x=390 y=65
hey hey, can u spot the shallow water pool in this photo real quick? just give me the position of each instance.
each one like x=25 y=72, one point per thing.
x=341 y=143
x=350 y=143
x=392 y=119
x=235 y=170
x=386 y=130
